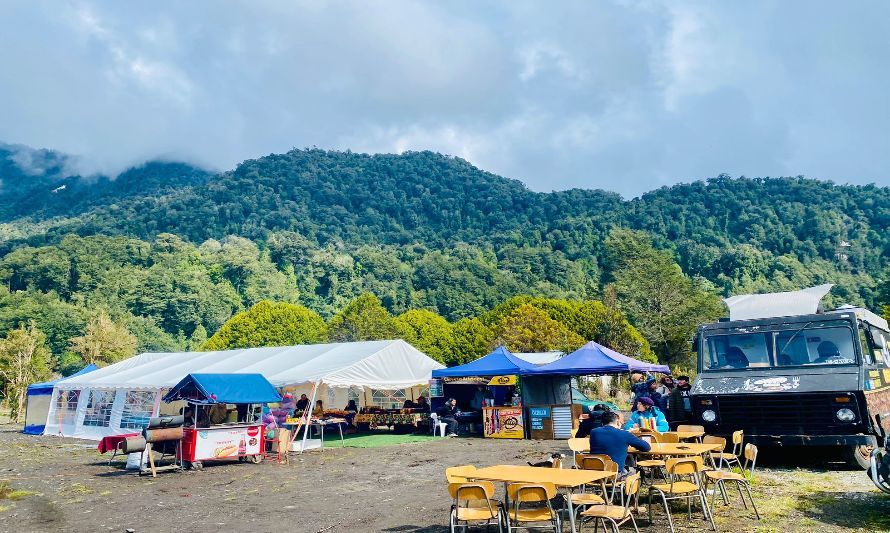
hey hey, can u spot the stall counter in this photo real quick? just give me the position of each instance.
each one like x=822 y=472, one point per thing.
x=226 y=441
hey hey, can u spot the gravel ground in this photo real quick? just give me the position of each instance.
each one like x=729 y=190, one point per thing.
x=65 y=485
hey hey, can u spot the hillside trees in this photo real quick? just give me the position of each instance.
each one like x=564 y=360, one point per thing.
x=364 y=319
x=266 y=324
x=24 y=359
x=104 y=341
x=664 y=303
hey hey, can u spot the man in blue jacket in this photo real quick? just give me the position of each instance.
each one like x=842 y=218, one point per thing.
x=613 y=441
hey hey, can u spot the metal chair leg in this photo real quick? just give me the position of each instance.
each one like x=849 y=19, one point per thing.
x=748 y=489
x=708 y=515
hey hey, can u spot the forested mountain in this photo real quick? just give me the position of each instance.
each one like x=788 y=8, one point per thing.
x=170 y=247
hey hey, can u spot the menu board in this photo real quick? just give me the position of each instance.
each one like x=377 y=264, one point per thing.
x=503 y=422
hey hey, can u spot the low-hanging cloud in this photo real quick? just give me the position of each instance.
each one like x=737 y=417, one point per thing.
x=626 y=96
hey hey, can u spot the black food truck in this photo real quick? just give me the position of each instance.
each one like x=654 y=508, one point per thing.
x=819 y=378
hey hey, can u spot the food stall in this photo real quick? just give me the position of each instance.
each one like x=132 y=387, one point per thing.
x=241 y=438
x=491 y=389
x=552 y=411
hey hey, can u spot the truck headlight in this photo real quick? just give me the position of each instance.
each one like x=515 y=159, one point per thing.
x=845 y=415
x=709 y=415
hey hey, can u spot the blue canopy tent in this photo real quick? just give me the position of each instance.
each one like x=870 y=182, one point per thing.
x=38 y=399
x=500 y=362
x=208 y=389
x=595 y=359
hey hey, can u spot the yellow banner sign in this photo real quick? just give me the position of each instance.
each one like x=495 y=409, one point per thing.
x=503 y=380
x=503 y=423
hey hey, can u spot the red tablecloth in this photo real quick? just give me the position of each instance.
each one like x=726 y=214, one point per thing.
x=109 y=443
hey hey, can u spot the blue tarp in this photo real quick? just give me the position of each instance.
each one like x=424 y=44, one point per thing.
x=593 y=359
x=36 y=389
x=500 y=362
x=224 y=388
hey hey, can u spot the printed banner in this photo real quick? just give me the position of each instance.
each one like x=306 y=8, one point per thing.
x=503 y=380
x=222 y=443
x=503 y=423
x=537 y=415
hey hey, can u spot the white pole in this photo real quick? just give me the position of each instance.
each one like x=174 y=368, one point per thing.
x=307 y=413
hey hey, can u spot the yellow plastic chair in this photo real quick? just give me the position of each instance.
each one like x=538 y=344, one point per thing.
x=720 y=477
x=711 y=439
x=578 y=446
x=684 y=484
x=466 y=512
x=600 y=463
x=617 y=515
x=653 y=464
x=669 y=437
x=729 y=459
x=534 y=493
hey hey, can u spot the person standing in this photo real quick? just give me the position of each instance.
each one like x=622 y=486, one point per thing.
x=680 y=409
x=611 y=440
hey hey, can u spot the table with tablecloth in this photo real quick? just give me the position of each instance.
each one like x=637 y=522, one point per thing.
x=393 y=419
x=112 y=443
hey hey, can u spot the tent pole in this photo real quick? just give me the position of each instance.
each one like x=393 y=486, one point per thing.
x=307 y=413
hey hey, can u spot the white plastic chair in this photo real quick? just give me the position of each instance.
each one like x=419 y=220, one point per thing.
x=435 y=423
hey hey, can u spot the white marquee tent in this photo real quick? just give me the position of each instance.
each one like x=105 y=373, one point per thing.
x=119 y=398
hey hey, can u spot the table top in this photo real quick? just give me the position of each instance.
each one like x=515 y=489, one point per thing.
x=681 y=448
x=681 y=434
x=561 y=477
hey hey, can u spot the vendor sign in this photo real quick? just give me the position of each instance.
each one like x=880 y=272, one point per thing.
x=503 y=380
x=503 y=423
x=221 y=443
x=436 y=388
x=537 y=416
x=466 y=380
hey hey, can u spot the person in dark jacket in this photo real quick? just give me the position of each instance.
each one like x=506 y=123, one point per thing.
x=613 y=441
x=680 y=405
x=448 y=414
x=594 y=420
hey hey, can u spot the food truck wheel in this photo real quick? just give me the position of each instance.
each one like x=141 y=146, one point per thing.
x=860 y=456
x=255 y=459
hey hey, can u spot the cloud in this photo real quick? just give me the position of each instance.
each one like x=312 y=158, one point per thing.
x=620 y=95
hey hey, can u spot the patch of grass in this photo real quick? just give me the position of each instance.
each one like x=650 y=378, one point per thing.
x=75 y=488
x=5 y=490
x=375 y=440
x=19 y=494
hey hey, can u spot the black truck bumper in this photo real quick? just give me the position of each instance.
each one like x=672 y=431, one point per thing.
x=812 y=440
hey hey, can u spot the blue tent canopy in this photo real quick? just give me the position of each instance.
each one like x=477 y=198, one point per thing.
x=47 y=386
x=224 y=388
x=500 y=362
x=593 y=359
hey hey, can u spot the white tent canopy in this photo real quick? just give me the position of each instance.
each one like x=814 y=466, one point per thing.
x=110 y=400
x=776 y=304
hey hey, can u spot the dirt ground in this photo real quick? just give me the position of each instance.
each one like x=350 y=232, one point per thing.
x=64 y=484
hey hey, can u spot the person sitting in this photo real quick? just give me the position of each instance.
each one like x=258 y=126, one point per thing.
x=736 y=358
x=408 y=404
x=645 y=411
x=422 y=404
x=350 y=406
x=318 y=411
x=218 y=413
x=302 y=403
x=611 y=440
x=827 y=351
x=594 y=420
x=448 y=415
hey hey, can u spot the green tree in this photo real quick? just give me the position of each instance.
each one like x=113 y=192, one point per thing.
x=24 y=359
x=429 y=333
x=269 y=324
x=197 y=339
x=528 y=329
x=364 y=319
x=471 y=339
x=665 y=304
x=104 y=341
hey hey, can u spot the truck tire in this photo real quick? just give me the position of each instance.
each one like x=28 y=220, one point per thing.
x=859 y=456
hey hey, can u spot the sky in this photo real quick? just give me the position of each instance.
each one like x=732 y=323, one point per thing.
x=626 y=96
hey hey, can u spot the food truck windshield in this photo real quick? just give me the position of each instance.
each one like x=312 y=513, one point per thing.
x=815 y=343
